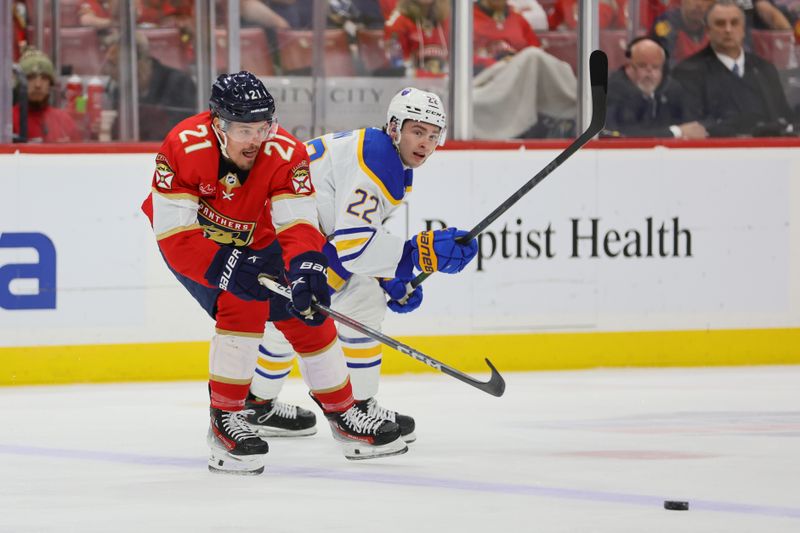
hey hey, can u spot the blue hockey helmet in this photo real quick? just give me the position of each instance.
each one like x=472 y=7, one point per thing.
x=241 y=97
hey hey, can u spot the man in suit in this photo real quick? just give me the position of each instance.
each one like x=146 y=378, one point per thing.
x=644 y=102
x=736 y=93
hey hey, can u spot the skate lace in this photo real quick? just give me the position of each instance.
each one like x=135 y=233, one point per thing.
x=361 y=422
x=377 y=411
x=236 y=426
x=281 y=410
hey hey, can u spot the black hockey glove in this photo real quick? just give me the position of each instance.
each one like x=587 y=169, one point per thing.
x=236 y=270
x=308 y=278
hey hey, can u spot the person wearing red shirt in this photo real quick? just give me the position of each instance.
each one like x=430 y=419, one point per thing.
x=20 y=15
x=45 y=123
x=611 y=13
x=421 y=28
x=499 y=31
x=232 y=200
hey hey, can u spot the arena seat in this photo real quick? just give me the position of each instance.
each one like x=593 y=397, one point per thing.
x=776 y=46
x=68 y=11
x=296 y=52
x=79 y=48
x=371 y=49
x=561 y=44
x=256 y=55
x=166 y=46
x=613 y=43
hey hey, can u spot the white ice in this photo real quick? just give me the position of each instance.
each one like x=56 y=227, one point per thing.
x=586 y=451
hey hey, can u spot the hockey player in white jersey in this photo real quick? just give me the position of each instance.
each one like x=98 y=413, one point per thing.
x=361 y=177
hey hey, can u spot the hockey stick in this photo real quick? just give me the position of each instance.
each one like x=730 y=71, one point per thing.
x=598 y=75
x=496 y=385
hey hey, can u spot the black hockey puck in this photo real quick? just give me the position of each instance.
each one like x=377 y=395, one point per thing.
x=676 y=506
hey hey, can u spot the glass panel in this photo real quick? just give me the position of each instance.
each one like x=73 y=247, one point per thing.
x=703 y=72
x=84 y=95
x=357 y=76
x=525 y=61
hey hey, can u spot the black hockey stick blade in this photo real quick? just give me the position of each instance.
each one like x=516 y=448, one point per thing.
x=496 y=385
x=598 y=77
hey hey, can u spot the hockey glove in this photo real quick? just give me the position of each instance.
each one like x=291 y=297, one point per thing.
x=308 y=278
x=397 y=290
x=433 y=251
x=236 y=270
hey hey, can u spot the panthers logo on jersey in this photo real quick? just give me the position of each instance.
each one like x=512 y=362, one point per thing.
x=224 y=230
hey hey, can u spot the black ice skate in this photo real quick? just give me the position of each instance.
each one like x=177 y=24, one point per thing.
x=235 y=447
x=371 y=407
x=365 y=437
x=271 y=418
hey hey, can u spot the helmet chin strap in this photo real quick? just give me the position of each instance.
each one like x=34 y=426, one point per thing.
x=222 y=137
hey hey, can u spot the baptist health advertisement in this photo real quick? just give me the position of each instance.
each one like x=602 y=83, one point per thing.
x=620 y=257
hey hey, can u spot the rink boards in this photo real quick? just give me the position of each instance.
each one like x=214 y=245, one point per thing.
x=636 y=257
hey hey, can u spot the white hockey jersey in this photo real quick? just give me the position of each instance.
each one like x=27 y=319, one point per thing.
x=359 y=180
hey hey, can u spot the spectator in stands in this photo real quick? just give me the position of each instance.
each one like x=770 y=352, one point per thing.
x=680 y=30
x=499 y=32
x=20 y=28
x=644 y=102
x=735 y=92
x=255 y=12
x=533 y=12
x=354 y=14
x=564 y=14
x=420 y=28
x=299 y=14
x=166 y=95
x=45 y=123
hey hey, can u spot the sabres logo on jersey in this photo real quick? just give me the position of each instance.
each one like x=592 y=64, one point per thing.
x=230 y=181
x=301 y=179
x=164 y=174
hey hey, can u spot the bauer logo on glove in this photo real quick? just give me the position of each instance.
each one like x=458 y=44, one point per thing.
x=442 y=251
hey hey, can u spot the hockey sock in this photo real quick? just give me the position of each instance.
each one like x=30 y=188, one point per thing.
x=231 y=361
x=275 y=360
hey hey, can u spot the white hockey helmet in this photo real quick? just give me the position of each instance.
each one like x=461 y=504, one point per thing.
x=415 y=104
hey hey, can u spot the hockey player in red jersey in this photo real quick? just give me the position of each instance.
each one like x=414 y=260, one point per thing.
x=231 y=199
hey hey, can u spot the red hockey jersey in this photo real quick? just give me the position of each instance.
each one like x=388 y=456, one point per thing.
x=200 y=201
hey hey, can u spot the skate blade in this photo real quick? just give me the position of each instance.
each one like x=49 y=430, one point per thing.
x=265 y=431
x=358 y=451
x=222 y=462
x=408 y=439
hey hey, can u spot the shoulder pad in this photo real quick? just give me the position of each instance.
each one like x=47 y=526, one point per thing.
x=378 y=158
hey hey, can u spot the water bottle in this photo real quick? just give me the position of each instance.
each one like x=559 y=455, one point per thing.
x=72 y=91
x=95 y=93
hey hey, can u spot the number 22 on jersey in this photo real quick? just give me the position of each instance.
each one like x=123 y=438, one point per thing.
x=364 y=205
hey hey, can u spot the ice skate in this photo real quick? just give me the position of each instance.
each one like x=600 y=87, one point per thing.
x=365 y=437
x=371 y=407
x=271 y=418
x=235 y=447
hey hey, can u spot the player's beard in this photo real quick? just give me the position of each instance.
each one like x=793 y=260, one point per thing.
x=244 y=162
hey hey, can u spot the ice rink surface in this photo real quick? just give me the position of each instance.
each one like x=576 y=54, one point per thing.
x=586 y=451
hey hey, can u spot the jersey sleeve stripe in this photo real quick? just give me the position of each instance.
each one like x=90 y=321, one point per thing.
x=175 y=231
x=368 y=171
x=281 y=197
x=335 y=281
x=176 y=196
x=347 y=244
x=293 y=224
x=173 y=214
x=358 y=244
x=293 y=210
